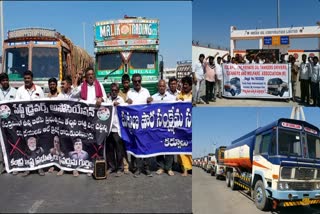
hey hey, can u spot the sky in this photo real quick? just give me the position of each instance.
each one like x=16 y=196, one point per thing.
x=211 y=20
x=75 y=19
x=221 y=125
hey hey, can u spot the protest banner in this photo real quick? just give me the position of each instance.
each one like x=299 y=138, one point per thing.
x=157 y=129
x=43 y=133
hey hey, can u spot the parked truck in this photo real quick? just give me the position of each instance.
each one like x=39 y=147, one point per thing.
x=127 y=46
x=278 y=164
x=219 y=169
x=45 y=52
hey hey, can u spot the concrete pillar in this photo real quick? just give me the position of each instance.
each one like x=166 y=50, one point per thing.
x=232 y=46
x=261 y=43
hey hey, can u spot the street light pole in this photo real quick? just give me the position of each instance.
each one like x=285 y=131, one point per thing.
x=278 y=13
x=84 y=35
x=2 y=28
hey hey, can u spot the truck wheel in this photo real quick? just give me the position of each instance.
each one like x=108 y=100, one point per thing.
x=260 y=198
x=233 y=186
x=228 y=179
x=282 y=92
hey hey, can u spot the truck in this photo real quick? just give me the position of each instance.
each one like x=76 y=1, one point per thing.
x=219 y=168
x=277 y=164
x=127 y=46
x=46 y=52
x=211 y=163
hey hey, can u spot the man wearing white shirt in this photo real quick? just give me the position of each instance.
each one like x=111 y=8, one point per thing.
x=114 y=144
x=91 y=90
x=7 y=92
x=66 y=90
x=198 y=77
x=162 y=95
x=29 y=91
x=164 y=162
x=173 y=84
x=219 y=76
x=304 y=77
x=139 y=95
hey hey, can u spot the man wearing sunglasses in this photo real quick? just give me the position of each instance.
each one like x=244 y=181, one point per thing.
x=139 y=95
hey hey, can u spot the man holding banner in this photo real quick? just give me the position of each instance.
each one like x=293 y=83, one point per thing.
x=164 y=162
x=139 y=95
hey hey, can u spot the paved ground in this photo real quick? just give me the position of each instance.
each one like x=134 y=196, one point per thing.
x=212 y=196
x=158 y=194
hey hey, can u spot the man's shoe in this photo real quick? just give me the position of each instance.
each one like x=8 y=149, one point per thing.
x=25 y=173
x=137 y=174
x=60 y=173
x=159 y=171
x=148 y=173
x=207 y=102
x=75 y=173
x=15 y=172
x=119 y=174
x=41 y=172
x=170 y=172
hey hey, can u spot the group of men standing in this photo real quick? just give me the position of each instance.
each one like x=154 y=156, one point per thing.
x=92 y=91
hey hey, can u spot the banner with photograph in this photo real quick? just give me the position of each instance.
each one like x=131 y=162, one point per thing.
x=43 y=133
x=257 y=81
x=157 y=129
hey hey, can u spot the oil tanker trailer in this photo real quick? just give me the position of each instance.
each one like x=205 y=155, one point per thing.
x=278 y=164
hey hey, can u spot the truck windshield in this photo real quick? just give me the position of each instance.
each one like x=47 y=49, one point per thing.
x=143 y=60
x=313 y=146
x=16 y=61
x=45 y=62
x=109 y=61
x=289 y=143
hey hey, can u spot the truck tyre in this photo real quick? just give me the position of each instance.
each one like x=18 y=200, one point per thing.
x=228 y=179
x=233 y=186
x=260 y=199
x=282 y=92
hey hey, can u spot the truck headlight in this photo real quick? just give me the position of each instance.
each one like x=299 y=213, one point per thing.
x=283 y=186
x=317 y=186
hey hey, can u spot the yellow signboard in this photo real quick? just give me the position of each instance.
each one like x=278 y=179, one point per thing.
x=276 y=40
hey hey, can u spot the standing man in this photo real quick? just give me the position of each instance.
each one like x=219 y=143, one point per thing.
x=210 y=74
x=91 y=90
x=139 y=95
x=66 y=88
x=304 y=78
x=29 y=91
x=53 y=87
x=123 y=93
x=219 y=77
x=173 y=86
x=115 y=152
x=198 y=78
x=294 y=77
x=315 y=79
x=164 y=162
x=7 y=93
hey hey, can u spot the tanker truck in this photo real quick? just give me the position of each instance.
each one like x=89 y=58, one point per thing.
x=278 y=164
x=45 y=52
x=219 y=169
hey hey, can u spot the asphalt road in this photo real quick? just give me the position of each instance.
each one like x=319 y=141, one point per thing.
x=212 y=196
x=68 y=194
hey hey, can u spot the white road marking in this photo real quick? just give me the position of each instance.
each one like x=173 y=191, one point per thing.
x=35 y=206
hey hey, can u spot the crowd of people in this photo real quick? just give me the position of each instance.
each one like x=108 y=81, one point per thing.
x=206 y=71
x=86 y=87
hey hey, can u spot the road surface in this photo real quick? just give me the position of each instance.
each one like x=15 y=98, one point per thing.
x=158 y=194
x=212 y=196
